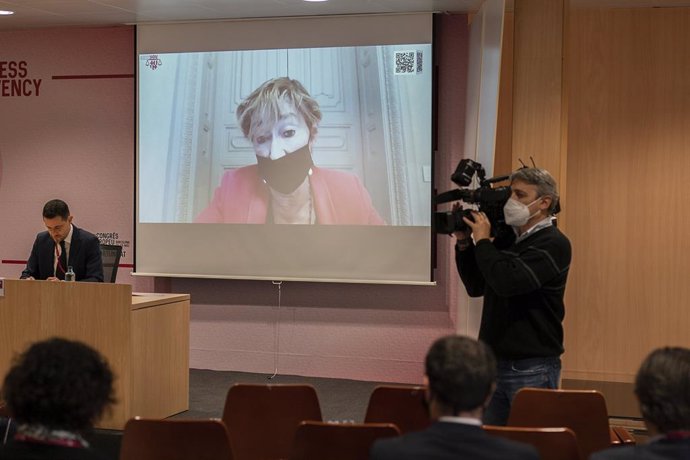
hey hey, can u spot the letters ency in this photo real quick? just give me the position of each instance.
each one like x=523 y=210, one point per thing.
x=13 y=81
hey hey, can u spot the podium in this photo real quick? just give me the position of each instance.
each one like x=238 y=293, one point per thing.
x=145 y=338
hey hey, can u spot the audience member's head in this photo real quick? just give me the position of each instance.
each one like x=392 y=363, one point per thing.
x=662 y=387
x=461 y=374
x=59 y=384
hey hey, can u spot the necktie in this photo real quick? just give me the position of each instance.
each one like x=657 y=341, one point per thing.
x=62 y=262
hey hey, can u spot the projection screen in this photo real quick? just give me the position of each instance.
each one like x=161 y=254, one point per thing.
x=286 y=149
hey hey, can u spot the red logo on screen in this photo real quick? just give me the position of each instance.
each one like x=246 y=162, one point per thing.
x=153 y=61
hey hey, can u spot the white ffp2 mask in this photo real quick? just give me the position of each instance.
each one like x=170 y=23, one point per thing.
x=516 y=213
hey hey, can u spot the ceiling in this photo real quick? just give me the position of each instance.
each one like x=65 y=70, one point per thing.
x=60 y=13
x=51 y=13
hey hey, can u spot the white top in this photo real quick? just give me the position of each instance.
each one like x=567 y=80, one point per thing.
x=463 y=420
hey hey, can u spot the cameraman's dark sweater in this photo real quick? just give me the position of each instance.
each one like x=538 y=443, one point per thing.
x=523 y=287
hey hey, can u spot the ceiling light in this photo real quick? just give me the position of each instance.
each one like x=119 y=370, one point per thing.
x=6 y=12
x=315 y=0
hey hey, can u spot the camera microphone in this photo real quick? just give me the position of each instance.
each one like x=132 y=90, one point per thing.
x=447 y=197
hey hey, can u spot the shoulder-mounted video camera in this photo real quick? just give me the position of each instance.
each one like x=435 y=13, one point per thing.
x=489 y=199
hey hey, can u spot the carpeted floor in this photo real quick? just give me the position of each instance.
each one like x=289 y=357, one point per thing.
x=340 y=399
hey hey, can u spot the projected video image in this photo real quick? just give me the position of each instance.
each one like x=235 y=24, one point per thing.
x=295 y=136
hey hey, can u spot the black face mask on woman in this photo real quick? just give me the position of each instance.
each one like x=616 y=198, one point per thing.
x=288 y=172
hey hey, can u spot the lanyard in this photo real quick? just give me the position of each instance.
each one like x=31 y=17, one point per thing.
x=64 y=442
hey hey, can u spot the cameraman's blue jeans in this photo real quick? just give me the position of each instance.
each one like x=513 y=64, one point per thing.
x=516 y=374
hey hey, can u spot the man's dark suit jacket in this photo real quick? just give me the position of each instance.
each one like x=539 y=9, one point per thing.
x=662 y=449
x=446 y=441
x=84 y=257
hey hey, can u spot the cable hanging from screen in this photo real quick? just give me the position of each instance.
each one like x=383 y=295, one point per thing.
x=276 y=331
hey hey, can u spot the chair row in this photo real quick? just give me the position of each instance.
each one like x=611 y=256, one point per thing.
x=561 y=424
x=255 y=413
x=580 y=414
x=210 y=440
x=276 y=421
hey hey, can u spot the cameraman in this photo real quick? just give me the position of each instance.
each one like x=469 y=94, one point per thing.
x=522 y=277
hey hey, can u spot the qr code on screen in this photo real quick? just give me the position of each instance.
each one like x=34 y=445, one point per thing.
x=408 y=62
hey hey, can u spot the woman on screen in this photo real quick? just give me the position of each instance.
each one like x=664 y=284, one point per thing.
x=281 y=119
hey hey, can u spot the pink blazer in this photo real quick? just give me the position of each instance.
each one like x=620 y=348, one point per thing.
x=243 y=198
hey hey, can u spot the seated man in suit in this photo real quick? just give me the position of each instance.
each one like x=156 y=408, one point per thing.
x=460 y=378
x=662 y=387
x=63 y=245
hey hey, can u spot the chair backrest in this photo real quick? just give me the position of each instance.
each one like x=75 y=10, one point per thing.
x=262 y=419
x=338 y=441
x=552 y=443
x=401 y=405
x=175 y=440
x=110 y=254
x=582 y=411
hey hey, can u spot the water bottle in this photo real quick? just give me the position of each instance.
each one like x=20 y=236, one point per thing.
x=69 y=274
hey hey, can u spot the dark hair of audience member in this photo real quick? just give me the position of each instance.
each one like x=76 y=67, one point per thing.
x=56 y=208
x=662 y=386
x=59 y=384
x=461 y=372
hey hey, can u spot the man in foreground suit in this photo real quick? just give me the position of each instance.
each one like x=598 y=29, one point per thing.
x=63 y=245
x=460 y=377
x=662 y=387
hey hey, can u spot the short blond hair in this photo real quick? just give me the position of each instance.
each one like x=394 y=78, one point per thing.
x=261 y=108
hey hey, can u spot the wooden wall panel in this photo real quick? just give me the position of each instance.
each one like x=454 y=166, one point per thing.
x=503 y=159
x=629 y=138
x=537 y=83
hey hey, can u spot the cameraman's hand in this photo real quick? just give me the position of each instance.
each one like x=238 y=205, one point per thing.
x=481 y=227
x=460 y=235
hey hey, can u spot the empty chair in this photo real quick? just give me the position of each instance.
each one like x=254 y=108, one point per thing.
x=401 y=405
x=262 y=419
x=338 y=441
x=583 y=411
x=110 y=254
x=175 y=440
x=552 y=443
